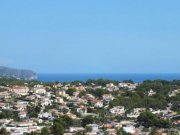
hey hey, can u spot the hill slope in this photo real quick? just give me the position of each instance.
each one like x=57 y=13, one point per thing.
x=17 y=73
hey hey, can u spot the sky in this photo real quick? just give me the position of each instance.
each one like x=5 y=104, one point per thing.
x=91 y=36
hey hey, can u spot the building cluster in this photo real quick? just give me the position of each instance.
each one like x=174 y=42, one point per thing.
x=30 y=108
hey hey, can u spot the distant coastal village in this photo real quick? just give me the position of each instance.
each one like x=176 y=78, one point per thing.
x=94 y=107
x=90 y=67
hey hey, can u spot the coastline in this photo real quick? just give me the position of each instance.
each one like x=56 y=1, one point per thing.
x=136 y=77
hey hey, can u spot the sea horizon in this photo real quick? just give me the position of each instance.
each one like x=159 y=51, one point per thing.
x=136 y=77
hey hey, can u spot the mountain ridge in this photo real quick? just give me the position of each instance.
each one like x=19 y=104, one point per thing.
x=17 y=73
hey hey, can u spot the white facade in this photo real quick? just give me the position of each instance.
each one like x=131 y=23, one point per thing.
x=99 y=104
x=117 y=110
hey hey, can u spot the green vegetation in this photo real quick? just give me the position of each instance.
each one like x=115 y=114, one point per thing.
x=140 y=98
x=33 y=111
x=135 y=100
x=76 y=83
x=101 y=82
x=3 y=131
x=82 y=93
x=70 y=91
x=9 y=114
x=60 y=124
x=98 y=92
x=160 y=86
x=148 y=119
x=88 y=120
x=58 y=128
x=45 y=131
x=32 y=133
x=5 y=81
x=121 y=132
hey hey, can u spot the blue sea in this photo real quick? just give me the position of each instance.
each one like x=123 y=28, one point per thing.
x=118 y=77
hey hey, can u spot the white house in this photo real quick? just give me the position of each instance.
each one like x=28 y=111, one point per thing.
x=110 y=85
x=46 y=102
x=5 y=121
x=107 y=97
x=136 y=112
x=129 y=129
x=20 y=107
x=128 y=85
x=24 y=124
x=98 y=104
x=22 y=114
x=82 y=109
x=60 y=100
x=34 y=129
x=76 y=129
x=20 y=90
x=174 y=93
x=45 y=115
x=151 y=92
x=118 y=110
x=4 y=106
x=94 y=127
x=5 y=94
x=61 y=93
x=155 y=111
x=39 y=89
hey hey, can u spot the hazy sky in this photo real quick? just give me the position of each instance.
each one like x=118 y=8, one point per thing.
x=91 y=36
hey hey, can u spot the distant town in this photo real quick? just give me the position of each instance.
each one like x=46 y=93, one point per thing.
x=94 y=107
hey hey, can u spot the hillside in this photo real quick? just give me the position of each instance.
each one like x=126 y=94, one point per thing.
x=17 y=73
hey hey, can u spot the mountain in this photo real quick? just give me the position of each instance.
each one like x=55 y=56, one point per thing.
x=17 y=73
